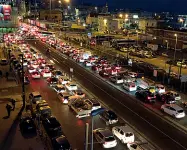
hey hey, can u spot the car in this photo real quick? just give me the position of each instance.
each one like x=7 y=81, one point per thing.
x=132 y=74
x=46 y=73
x=80 y=107
x=51 y=67
x=105 y=137
x=166 y=98
x=64 y=97
x=31 y=69
x=79 y=94
x=97 y=67
x=4 y=61
x=61 y=143
x=181 y=64
x=104 y=74
x=80 y=59
x=160 y=88
x=64 y=80
x=35 y=75
x=57 y=73
x=124 y=133
x=52 y=126
x=134 y=146
x=176 y=96
x=173 y=110
x=93 y=103
x=71 y=86
x=59 y=88
x=35 y=65
x=129 y=86
x=25 y=62
x=52 y=81
x=34 y=97
x=27 y=125
x=41 y=68
x=109 y=117
x=88 y=63
x=146 y=96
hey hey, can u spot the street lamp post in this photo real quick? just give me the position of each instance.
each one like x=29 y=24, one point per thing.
x=50 y=5
x=176 y=39
x=167 y=44
x=137 y=37
x=94 y=113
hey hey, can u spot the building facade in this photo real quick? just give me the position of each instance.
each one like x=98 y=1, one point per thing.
x=54 y=15
x=145 y=23
x=169 y=37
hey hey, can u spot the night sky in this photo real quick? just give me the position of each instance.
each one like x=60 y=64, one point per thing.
x=177 y=6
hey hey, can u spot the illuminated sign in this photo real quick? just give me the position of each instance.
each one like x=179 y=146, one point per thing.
x=5 y=12
x=135 y=16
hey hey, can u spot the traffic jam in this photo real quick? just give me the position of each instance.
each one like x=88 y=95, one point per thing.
x=69 y=93
x=124 y=79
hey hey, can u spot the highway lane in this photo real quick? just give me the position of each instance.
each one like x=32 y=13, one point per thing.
x=149 y=124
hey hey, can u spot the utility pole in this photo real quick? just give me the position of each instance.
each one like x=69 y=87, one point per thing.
x=23 y=85
x=86 y=136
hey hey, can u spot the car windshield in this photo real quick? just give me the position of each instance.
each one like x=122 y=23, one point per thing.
x=53 y=123
x=180 y=111
x=109 y=139
x=112 y=115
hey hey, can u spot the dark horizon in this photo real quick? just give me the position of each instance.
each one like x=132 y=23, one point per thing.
x=172 y=6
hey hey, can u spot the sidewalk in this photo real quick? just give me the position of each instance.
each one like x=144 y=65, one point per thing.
x=7 y=123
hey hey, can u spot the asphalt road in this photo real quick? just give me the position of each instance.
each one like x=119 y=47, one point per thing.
x=73 y=127
x=163 y=134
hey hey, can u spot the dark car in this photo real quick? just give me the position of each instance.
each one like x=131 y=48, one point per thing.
x=146 y=96
x=51 y=67
x=109 y=117
x=52 y=126
x=4 y=62
x=166 y=98
x=52 y=81
x=57 y=73
x=61 y=143
x=104 y=73
x=27 y=126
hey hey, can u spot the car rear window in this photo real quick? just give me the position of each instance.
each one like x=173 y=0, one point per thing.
x=110 y=138
x=180 y=111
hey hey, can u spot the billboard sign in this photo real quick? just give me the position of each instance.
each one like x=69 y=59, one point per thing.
x=5 y=12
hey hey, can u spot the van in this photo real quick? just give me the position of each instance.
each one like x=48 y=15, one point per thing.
x=34 y=97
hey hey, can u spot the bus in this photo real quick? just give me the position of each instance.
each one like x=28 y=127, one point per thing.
x=120 y=43
x=99 y=39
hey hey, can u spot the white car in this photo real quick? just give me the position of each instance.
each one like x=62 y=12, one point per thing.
x=64 y=97
x=173 y=110
x=71 y=86
x=123 y=133
x=116 y=79
x=134 y=146
x=35 y=65
x=64 y=80
x=130 y=86
x=25 y=62
x=105 y=137
x=46 y=73
x=41 y=68
x=88 y=63
x=31 y=69
x=160 y=88
x=35 y=75
x=132 y=74
x=59 y=88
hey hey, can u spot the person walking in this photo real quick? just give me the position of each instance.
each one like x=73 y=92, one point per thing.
x=8 y=108
x=13 y=104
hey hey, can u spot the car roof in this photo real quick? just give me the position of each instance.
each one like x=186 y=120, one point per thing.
x=36 y=93
x=105 y=132
x=125 y=128
x=175 y=106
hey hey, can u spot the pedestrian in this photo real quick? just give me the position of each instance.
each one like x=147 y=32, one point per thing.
x=8 y=108
x=13 y=104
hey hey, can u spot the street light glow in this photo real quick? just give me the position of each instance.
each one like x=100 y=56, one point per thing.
x=67 y=1
x=175 y=34
x=120 y=15
x=126 y=16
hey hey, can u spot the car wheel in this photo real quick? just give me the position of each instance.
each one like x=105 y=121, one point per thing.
x=162 y=109
x=122 y=141
x=107 y=123
x=173 y=116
